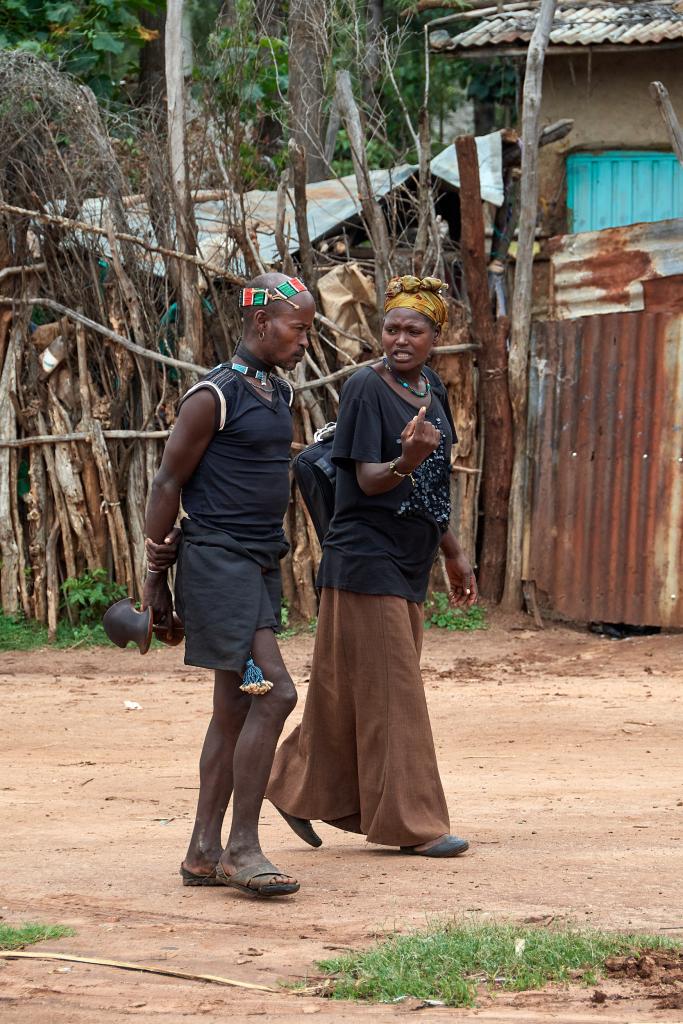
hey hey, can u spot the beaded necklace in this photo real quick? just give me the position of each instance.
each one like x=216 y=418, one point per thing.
x=248 y=371
x=243 y=362
x=405 y=384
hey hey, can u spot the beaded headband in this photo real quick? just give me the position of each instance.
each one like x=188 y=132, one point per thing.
x=262 y=296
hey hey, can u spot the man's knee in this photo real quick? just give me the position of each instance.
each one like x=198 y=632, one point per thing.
x=281 y=700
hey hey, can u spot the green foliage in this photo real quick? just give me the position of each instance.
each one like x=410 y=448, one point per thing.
x=447 y=962
x=20 y=634
x=248 y=71
x=439 y=614
x=243 y=80
x=241 y=70
x=492 y=81
x=98 y=41
x=447 y=83
x=85 y=635
x=87 y=597
x=290 y=628
x=379 y=153
x=25 y=934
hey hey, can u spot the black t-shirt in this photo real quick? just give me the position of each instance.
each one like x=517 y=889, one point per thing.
x=241 y=485
x=386 y=543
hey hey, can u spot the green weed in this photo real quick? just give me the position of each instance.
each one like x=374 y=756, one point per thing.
x=439 y=614
x=449 y=962
x=88 y=596
x=26 y=934
x=20 y=634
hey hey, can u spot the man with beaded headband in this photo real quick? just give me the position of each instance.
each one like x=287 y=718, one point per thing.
x=363 y=758
x=227 y=459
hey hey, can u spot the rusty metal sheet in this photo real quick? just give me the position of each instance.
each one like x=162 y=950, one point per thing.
x=588 y=25
x=604 y=535
x=605 y=271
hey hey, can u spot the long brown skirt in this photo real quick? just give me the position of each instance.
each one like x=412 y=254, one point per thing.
x=363 y=757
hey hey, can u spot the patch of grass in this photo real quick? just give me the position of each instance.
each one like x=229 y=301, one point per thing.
x=298 y=629
x=20 y=634
x=439 y=614
x=26 y=934
x=84 y=635
x=290 y=628
x=448 y=962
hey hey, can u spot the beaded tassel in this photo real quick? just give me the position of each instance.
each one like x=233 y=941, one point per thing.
x=253 y=682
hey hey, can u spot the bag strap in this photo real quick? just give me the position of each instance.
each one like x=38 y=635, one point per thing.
x=290 y=400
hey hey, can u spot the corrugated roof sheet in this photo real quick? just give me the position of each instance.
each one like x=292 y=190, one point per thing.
x=588 y=25
x=331 y=205
x=605 y=271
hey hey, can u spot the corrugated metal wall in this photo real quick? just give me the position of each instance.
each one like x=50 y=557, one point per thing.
x=604 y=531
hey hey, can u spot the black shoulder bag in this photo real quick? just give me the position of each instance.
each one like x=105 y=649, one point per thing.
x=316 y=475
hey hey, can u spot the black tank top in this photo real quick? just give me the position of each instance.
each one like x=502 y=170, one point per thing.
x=242 y=483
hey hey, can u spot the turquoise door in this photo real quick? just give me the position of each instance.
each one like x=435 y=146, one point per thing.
x=607 y=190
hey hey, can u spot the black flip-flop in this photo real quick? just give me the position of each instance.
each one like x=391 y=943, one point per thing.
x=302 y=828
x=451 y=846
x=190 y=878
x=243 y=879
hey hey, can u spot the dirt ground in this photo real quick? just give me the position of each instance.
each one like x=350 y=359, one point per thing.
x=562 y=760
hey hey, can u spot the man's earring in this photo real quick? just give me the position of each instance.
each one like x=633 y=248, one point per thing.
x=261 y=335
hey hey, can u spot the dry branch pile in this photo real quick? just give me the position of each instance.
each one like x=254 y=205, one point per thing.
x=90 y=330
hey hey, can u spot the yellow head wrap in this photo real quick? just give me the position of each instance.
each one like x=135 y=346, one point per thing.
x=421 y=294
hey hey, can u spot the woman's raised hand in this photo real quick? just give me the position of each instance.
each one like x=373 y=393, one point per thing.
x=418 y=440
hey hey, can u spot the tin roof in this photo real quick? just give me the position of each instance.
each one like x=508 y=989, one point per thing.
x=587 y=25
x=330 y=205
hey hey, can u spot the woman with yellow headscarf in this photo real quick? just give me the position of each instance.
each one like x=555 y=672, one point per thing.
x=363 y=757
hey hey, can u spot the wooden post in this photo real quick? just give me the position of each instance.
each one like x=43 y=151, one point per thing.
x=280 y=211
x=111 y=503
x=297 y=159
x=522 y=297
x=660 y=95
x=497 y=414
x=372 y=211
x=9 y=549
x=190 y=347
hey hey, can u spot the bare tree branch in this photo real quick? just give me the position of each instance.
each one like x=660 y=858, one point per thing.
x=80 y=318
x=521 y=301
x=372 y=211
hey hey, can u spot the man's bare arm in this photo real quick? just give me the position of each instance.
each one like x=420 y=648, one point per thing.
x=191 y=436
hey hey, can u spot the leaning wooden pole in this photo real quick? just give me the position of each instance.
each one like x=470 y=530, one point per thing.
x=299 y=164
x=491 y=335
x=522 y=297
x=190 y=346
x=372 y=211
x=660 y=94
